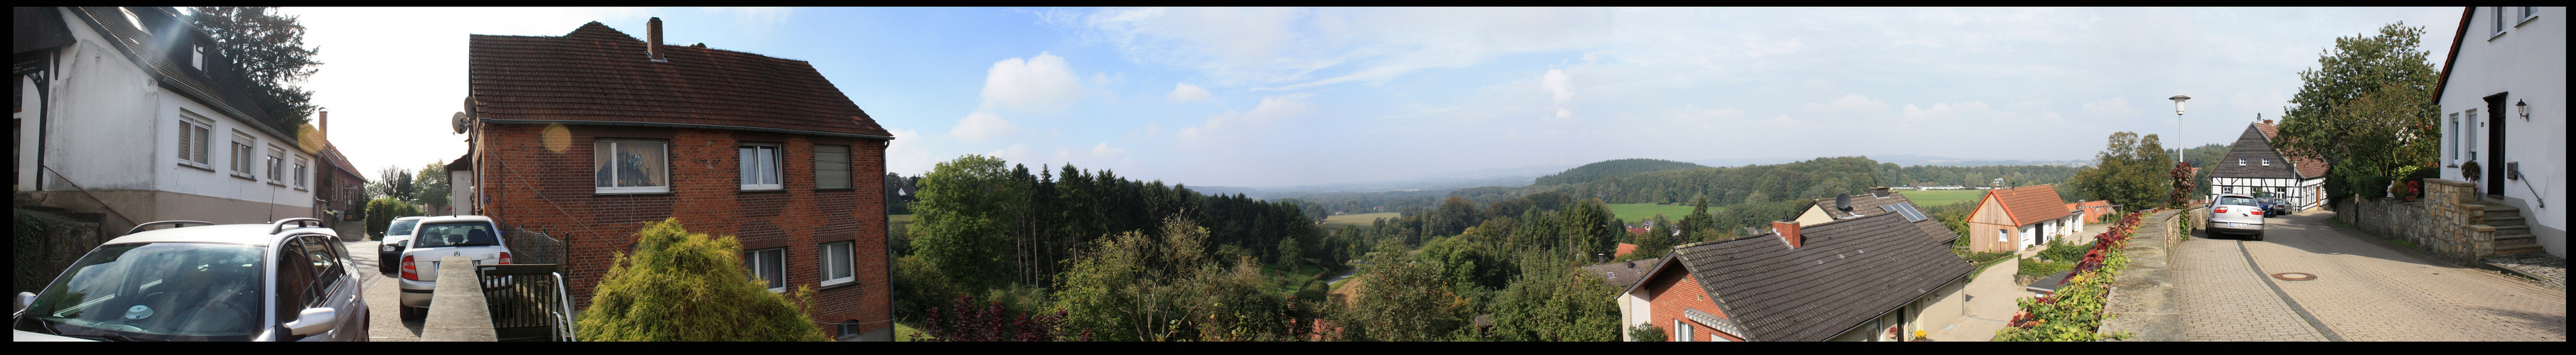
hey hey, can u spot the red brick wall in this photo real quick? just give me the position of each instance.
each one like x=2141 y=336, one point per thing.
x=1673 y=290
x=545 y=184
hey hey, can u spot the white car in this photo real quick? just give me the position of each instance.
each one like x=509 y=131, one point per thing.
x=473 y=237
x=288 y=280
x=391 y=244
x=2238 y=214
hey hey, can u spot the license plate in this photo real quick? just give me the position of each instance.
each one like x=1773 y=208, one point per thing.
x=2237 y=225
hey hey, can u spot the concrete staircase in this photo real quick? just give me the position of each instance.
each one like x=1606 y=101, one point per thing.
x=2512 y=235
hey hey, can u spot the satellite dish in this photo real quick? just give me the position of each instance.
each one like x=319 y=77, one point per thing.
x=469 y=105
x=461 y=122
x=1843 y=202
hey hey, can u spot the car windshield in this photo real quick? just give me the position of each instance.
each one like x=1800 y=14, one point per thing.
x=154 y=291
x=402 y=227
x=461 y=234
x=2235 y=200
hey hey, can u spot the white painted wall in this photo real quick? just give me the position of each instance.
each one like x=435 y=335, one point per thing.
x=2528 y=61
x=112 y=128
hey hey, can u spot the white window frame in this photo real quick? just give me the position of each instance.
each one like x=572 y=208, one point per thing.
x=196 y=136
x=200 y=57
x=2498 y=23
x=276 y=166
x=1682 y=331
x=303 y=168
x=2528 y=13
x=2240 y=161
x=754 y=159
x=847 y=260
x=2472 y=133
x=243 y=145
x=2003 y=235
x=2454 y=136
x=753 y=264
x=609 y=146
x=2267 y=161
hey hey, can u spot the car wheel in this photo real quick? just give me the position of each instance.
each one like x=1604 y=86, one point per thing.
x=412 y=313
x=2257 y=236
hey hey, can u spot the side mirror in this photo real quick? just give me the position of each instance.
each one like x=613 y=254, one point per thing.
x=313 y=321
x=25 y=299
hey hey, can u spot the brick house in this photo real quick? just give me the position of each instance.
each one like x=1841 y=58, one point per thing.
x=2020 y=217
x=576 y=140
x=1855 y=279
x=2090 y=212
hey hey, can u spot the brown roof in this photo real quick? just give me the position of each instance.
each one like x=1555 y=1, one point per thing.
x=341 y=162
x=1844 y=274
x=2309 y=166
x=1621 y=274
x=2031 y=204
x=157 y=57
x=596 y=74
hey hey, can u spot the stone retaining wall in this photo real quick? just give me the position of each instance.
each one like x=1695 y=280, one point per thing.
x=2448 y=222
x=2142 y=300
x=43 y=244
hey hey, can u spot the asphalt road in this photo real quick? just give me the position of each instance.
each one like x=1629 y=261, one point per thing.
x=384 y=298
x=2362 y=290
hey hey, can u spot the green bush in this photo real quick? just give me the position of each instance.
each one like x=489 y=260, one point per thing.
x=2063 y=252
x=681 y=286
x=1646 y=333
x=2039 y=267
x=382 y=211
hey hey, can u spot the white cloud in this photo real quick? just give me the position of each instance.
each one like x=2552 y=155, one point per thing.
x=2115 y=107
x=1042 y=83
x=1104 y=151
x=1187 y=92
x=1849 y=103
x=981 y=126
x=1231 y=125
x=1017 y=151
x=1296 y=46
x=1555 y=82
x=906 y=155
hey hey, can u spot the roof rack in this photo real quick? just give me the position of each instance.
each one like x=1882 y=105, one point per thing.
x=300 y=222
x=174 y=224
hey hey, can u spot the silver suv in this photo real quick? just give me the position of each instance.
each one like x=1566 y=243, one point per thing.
x=288 y=280
x=2239 y=214
x=396 y=234
x=472 y=237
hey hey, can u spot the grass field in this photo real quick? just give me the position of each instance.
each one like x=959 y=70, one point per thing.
x=1632 y=212
x=1930 y=198
x=1362 y=219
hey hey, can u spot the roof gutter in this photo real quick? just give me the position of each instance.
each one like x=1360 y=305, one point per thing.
x=683 y=125
x=2454 y=57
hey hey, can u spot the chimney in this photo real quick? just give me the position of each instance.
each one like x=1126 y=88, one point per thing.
x=326 y=125
x=2267 y=122
x=1880 y=191
x=653 y=38
x=1788 y=232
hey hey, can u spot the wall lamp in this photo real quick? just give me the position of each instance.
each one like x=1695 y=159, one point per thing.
x=2523 y=108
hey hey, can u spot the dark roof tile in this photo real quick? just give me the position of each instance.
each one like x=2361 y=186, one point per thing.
x=596 y=73
x=1846 y=273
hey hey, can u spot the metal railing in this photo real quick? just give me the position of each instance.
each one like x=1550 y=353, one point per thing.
x=527 y=302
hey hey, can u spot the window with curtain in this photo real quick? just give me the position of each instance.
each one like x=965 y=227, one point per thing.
x=836 y=264
x=759 y=167
x=625 y=166
x=768 y=266
x=831 y=166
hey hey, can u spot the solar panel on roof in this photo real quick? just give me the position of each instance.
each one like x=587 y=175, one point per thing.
x=1911 y=215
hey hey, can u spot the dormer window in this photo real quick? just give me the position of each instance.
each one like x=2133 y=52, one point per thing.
x=200 y=58
x=2240 y=161
x=2267 y=161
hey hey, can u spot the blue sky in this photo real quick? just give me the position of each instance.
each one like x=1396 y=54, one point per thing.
x=1291 y=96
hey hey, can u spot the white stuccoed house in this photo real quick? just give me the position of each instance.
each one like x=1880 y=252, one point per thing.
x=2503 y=95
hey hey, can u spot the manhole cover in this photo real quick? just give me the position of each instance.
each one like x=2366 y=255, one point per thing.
x=2294 y=276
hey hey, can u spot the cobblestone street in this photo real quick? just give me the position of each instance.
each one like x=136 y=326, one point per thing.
x=2362 y=291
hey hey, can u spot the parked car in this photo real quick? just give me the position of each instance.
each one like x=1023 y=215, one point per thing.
x=473 y=237
x=396 y=234
x=287 y=280
x=2273 y=206
x=2236 y=214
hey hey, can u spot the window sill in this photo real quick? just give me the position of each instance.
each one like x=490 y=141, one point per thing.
x=274 y=183
x=207 y=168
x=763 y=190
x=660 y=191
x=835 y=189
x=827 y=285
x=245 y=177
x=778 y=290
x=2525 y=20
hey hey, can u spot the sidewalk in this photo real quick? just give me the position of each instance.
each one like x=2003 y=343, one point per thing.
x=1990 y=304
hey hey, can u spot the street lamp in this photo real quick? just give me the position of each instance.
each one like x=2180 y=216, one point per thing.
x=2178 y=146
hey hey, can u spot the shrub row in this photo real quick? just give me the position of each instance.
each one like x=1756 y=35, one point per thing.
x=2075 y=312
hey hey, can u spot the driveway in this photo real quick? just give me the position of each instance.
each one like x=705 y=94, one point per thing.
x=2362 y=291
x=384 y=298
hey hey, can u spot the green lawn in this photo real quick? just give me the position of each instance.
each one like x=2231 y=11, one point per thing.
x=1929 y=198
x=1632 y=212
x=904 y=332
x=1361 y=219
